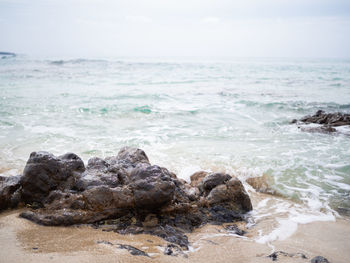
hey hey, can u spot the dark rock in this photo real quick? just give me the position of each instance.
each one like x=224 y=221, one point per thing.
x=213 y=180
x=173 y=250
x=125 y=194
x=321 y=129
x=45 y=172
x=232 y=194
x=152 y=187
x=235 y=230
x=319 y=259
x=9 y=192
x=133 y=250
x=327 y=120
x=171 y=234
x=105 y=242
x=219 y=214
x=275 y=255
x=133 y=155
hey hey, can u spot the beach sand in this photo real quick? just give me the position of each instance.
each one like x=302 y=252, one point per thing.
x=24 y=241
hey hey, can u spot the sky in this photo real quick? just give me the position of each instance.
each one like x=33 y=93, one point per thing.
x=195 y=28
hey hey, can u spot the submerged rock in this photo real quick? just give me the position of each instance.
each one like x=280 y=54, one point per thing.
x=331 y=119
x=262 y=184
x=123 y=193
x=327 y=120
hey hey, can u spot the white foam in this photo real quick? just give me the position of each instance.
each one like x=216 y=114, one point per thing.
x=187 y=171
x=288 y=226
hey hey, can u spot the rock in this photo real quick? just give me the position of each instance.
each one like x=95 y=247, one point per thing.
x=262 y=184
x=321 y=129
x=319 y=259
x=125 y=194
x=219 y=214
x=103 y=198
x=9 y=192
x=327 y=120
x=45 y=172
x=98 y=172
x=275 y=255
x=171 y=234
x=197 y=178
x=235 y=230
x=212 y=180
x=133 y=250
x=232 y=194
x=133 y=155
x=152 y=187
x=174 y=250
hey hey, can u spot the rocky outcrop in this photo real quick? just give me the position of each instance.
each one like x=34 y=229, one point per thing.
x=328 y=121
x=123 y=193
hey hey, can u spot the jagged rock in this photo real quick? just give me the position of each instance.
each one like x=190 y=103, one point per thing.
x=45 y=172
x=99 y=172
x=123 y=193
x=327 y=120
x=212 y=180
x=152 y=187
x=9 y=192
x=232 y=194
x=133 y=155
x=331 y=119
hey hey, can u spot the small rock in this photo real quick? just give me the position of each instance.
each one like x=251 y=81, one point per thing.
x=274 y=256
x=133 y=250
x=173 y=250
x=319 y=259
x=234 y=228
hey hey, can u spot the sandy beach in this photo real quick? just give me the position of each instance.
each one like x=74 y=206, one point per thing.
x=24 y=241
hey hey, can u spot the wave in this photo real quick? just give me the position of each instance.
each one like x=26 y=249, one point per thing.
x=143 y=109
x=299 y=106
x=76 y=61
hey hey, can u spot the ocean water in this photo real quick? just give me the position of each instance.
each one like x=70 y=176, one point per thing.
x=194 y=114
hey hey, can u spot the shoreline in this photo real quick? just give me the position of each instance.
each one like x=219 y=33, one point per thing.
x=22 y=240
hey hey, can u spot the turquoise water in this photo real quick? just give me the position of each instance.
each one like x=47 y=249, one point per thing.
x=187 y=114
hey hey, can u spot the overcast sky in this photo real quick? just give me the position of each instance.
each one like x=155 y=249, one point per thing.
x=244 y=28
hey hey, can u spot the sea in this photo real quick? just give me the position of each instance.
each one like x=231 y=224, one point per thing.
x=230 y=115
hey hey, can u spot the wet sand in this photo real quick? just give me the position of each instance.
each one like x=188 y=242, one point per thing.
x=24 y=241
